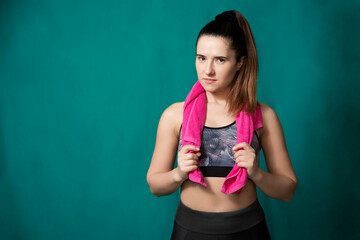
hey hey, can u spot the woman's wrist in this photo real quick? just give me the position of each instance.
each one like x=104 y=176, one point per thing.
x=177 y=176
x=257 y=176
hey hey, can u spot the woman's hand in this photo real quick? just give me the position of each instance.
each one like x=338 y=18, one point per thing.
x=187 y=161
x=246 y=158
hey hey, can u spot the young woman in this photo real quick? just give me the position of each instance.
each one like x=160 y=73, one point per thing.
x=227 y=66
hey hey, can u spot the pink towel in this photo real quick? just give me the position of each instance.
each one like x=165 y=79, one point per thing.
x=193 y=122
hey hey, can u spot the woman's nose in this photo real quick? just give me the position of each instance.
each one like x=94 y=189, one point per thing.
x=209 y=69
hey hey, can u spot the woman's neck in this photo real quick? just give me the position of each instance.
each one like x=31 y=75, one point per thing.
x=216 y=98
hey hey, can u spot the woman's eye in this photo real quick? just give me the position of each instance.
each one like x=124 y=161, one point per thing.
x=201 y=58
x=221 y=60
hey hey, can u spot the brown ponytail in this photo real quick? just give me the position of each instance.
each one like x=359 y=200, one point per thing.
x=244 y=85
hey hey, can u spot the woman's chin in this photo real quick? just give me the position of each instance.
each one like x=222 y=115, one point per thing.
x=208 y=87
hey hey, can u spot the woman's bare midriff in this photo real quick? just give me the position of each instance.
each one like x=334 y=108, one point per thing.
x=211 y=199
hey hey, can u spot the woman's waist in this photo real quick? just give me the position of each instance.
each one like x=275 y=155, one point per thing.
x=219 y=222
x=211 y=199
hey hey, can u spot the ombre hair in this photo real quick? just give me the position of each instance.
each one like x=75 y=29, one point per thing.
x=233 y=26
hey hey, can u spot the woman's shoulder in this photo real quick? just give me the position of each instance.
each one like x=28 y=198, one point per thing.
x=264 y=107
x=268 y=116
x=267 y=113
x=174 y=111
x=172 y=116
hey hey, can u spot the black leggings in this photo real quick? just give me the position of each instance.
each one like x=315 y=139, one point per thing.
x=248 y=223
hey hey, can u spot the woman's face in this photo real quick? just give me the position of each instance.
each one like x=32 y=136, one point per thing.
x=216 y=64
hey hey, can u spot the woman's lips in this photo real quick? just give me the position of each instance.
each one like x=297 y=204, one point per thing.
x=208 y=80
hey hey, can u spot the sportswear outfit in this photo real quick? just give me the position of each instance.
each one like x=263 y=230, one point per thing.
x=217 y=160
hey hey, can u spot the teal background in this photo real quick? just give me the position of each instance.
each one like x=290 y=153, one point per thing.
x=84 y=83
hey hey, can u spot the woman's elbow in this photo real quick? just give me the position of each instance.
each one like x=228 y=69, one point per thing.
x=151 y=187
x=291 y=191
x=156 y=194
x=148 y=180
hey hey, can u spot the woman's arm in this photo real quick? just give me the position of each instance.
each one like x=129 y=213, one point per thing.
x=280 y=181
x=161 y=177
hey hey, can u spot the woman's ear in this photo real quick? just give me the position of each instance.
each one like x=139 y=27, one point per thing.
x=240 y=63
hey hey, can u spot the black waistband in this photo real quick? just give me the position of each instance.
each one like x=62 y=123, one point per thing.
x=219 y=222
x=215 y=171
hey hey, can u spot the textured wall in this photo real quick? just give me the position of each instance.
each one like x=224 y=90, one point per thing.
x=83 y=85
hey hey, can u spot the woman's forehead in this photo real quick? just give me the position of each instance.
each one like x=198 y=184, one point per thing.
x=214 y=45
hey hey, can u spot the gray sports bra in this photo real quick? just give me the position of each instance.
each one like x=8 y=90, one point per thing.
x=217 y=158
